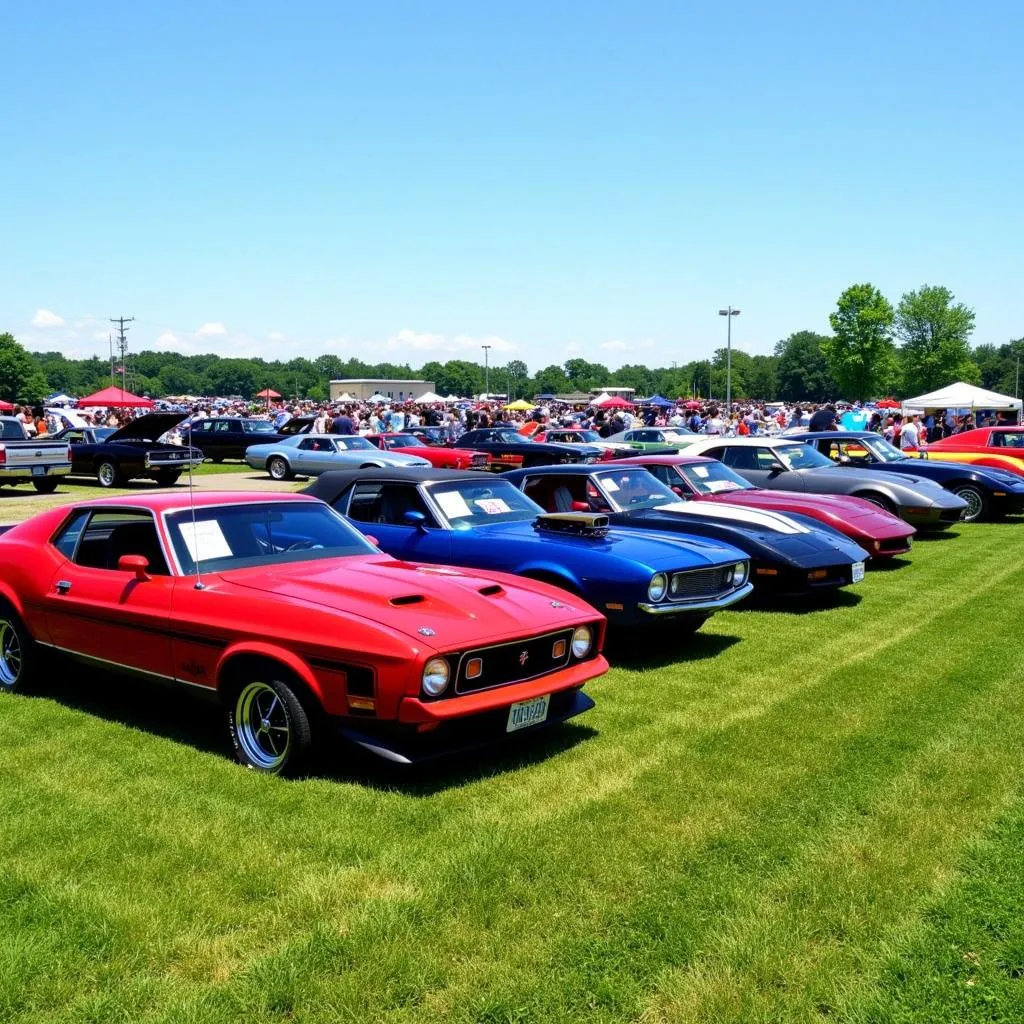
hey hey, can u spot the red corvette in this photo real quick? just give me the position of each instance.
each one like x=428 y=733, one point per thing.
x=301 y=628
x=1000 y=447
x=439 y=458
x=879 y=533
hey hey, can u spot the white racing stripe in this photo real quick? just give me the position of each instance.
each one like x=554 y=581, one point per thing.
x=773 y=521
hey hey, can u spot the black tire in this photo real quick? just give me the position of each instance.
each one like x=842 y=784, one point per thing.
x=18 y=652
x=977 y=502
x=270 y=729
x=167 y=477
x=878 y=499
x=45 y=486
x=278 y=468
x=108 y=474
x=217 y=458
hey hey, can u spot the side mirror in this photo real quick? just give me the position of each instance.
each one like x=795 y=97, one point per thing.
x=137 y=564
x=373 y=540
x=413 y=518
x=777 y=468
x=580 y=506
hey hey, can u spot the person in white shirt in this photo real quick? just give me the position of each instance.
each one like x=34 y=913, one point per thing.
x=910 y=436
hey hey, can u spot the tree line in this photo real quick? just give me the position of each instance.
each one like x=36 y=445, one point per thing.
x=875 y=349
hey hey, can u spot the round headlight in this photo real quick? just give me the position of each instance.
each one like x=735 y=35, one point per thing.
x=657 y=587
x=740 y=571
x=582 y=638
x=435 y=676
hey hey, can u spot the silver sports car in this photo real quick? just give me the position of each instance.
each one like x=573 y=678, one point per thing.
x=313 y=454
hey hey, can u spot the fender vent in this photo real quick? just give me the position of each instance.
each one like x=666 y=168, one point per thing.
x=494 y=588
x=408 y=599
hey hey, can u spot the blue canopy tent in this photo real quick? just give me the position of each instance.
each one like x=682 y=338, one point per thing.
x=656 y=400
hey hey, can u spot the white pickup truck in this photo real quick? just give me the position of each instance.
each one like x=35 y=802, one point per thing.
x=23 y=458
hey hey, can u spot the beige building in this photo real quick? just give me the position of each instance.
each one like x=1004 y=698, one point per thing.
x=361 y=388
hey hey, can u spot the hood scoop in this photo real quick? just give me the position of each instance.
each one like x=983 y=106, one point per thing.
x=581 y=524
x=407 y=599
x=492 y=590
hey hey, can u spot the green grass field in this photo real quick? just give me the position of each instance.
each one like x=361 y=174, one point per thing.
x=794 y=816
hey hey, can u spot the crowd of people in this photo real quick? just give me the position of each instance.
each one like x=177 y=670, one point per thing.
x=746 y=418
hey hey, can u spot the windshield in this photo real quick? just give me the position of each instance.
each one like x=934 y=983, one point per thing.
x=482 y=503
x=405 y=441
x=881 y=449
x=351 y=443
x=261 y=533
x=258 y=427
x=102 y=433
x=713 y=478
x=633 y=488
x=588 y=435
x=508 y=437
x=801 y=456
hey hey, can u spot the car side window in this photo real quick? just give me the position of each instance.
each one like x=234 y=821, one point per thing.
x=316 y=444
x=222 y=426
x=387 y=503
x=764 y=459
x=74 y=437
x=67 y=538
x=1011 y=440
x=739 y=457
x=669 y=477
x=109 y=535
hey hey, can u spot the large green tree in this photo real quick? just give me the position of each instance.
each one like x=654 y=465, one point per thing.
x=935 y=332
x=21 y=380
x=861 y=354
x=802 y=369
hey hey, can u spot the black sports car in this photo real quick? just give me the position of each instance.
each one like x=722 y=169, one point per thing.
x=989 y=492
x=115 y=454
x=789 y=554
x=511 y=450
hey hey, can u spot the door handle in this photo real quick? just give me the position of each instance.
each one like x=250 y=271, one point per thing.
x=63 y=586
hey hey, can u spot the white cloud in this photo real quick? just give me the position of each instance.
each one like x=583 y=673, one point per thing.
x=614 y=346
x=275 y=336
x=426 y=342
x=574 y=348
x=209 y=330
x=44 y=318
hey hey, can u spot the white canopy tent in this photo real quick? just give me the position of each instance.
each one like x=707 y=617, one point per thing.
x=962 y=396
x=428 y=398
x=378 y=399
x=346 y=397
x=601 y=398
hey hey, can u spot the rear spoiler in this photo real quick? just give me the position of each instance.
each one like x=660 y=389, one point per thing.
x=582 y=524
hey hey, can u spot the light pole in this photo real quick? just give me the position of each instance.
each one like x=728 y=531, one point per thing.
x=728 y=314
x=487 y=373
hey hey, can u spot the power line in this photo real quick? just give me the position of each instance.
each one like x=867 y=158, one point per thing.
x=122 y=345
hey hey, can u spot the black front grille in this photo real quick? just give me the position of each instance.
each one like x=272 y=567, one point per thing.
x=478 y=461
x=950 y=515
x=893 y=544
x=514 y=662
x=699 y=583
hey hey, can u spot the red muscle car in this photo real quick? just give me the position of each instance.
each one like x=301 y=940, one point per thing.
x=439 y=458
x=297 y=623
x=878 y=532
x=999 y=447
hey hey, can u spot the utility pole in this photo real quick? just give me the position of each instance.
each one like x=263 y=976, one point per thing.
x=729 y=313
x=110 y=345
x=487 y=373
x=122 y=345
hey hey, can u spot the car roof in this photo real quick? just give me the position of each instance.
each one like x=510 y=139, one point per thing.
x=662 y=460
x=337 y=480
x=164 y=501
x=571 y=468
x=840 y=433
x=754 y=442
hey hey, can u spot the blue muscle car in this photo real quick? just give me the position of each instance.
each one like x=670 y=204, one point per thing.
x=789 y=554
x=454 y=518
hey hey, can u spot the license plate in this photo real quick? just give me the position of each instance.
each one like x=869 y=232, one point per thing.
x=39 y=471
x=858 y=572
x=527 y=713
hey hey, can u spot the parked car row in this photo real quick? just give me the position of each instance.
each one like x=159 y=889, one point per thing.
x=414 y=610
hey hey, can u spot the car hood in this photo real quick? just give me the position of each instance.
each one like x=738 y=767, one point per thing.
x=148 y=427
x=461 y=607
x=1000 y=479
x=869 y=480
x=394 y=458
x=682 y=551
x=844 y=506
x=762 y=534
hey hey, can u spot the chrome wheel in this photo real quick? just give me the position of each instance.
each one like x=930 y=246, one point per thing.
x=263 y=727
x=278 y=469
x=975 y=503
x=12 y=655
x=106 y=474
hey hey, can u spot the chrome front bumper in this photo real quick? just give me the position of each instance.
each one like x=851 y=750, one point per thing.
x=685 y=607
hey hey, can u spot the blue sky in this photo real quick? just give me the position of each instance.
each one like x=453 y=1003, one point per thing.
x=408 y=181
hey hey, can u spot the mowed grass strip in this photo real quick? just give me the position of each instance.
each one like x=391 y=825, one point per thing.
x=744 y=829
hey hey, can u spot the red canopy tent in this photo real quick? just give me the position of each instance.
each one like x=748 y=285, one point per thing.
x=888 y=403
x=615 y=403
x=115 y=398
x=6 y=406
x=267 y=393
x=692 y=404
